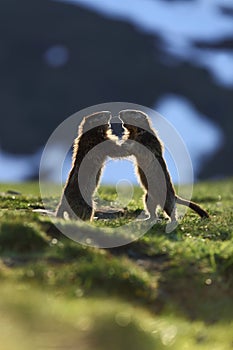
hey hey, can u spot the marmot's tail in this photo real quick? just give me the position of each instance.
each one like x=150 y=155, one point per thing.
x=194 y=206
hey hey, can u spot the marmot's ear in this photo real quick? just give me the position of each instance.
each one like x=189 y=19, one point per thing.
x=96 y=119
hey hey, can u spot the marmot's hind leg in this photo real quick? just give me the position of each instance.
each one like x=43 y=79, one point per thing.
x=170 y=208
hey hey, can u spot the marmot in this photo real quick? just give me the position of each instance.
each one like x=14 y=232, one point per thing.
x=80 y=186
x=143 y=142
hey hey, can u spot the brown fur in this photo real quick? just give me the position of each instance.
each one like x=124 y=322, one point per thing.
x=151 y=167
x=84 y=177
x=95 y=142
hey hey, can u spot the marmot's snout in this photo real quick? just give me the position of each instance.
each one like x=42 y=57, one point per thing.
x=117 y=127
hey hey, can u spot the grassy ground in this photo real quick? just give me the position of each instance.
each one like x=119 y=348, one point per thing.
x=162 y=291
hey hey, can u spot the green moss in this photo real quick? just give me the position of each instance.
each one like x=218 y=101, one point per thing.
x=186 y=274
x=20 y=237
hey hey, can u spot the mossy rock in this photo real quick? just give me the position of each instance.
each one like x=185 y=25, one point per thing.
x=21 y=237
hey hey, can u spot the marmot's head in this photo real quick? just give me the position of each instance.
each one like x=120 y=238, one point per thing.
x=136 y=122
x=98 y=122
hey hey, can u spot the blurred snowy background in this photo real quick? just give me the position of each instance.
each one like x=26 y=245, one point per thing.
x=174 y=56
